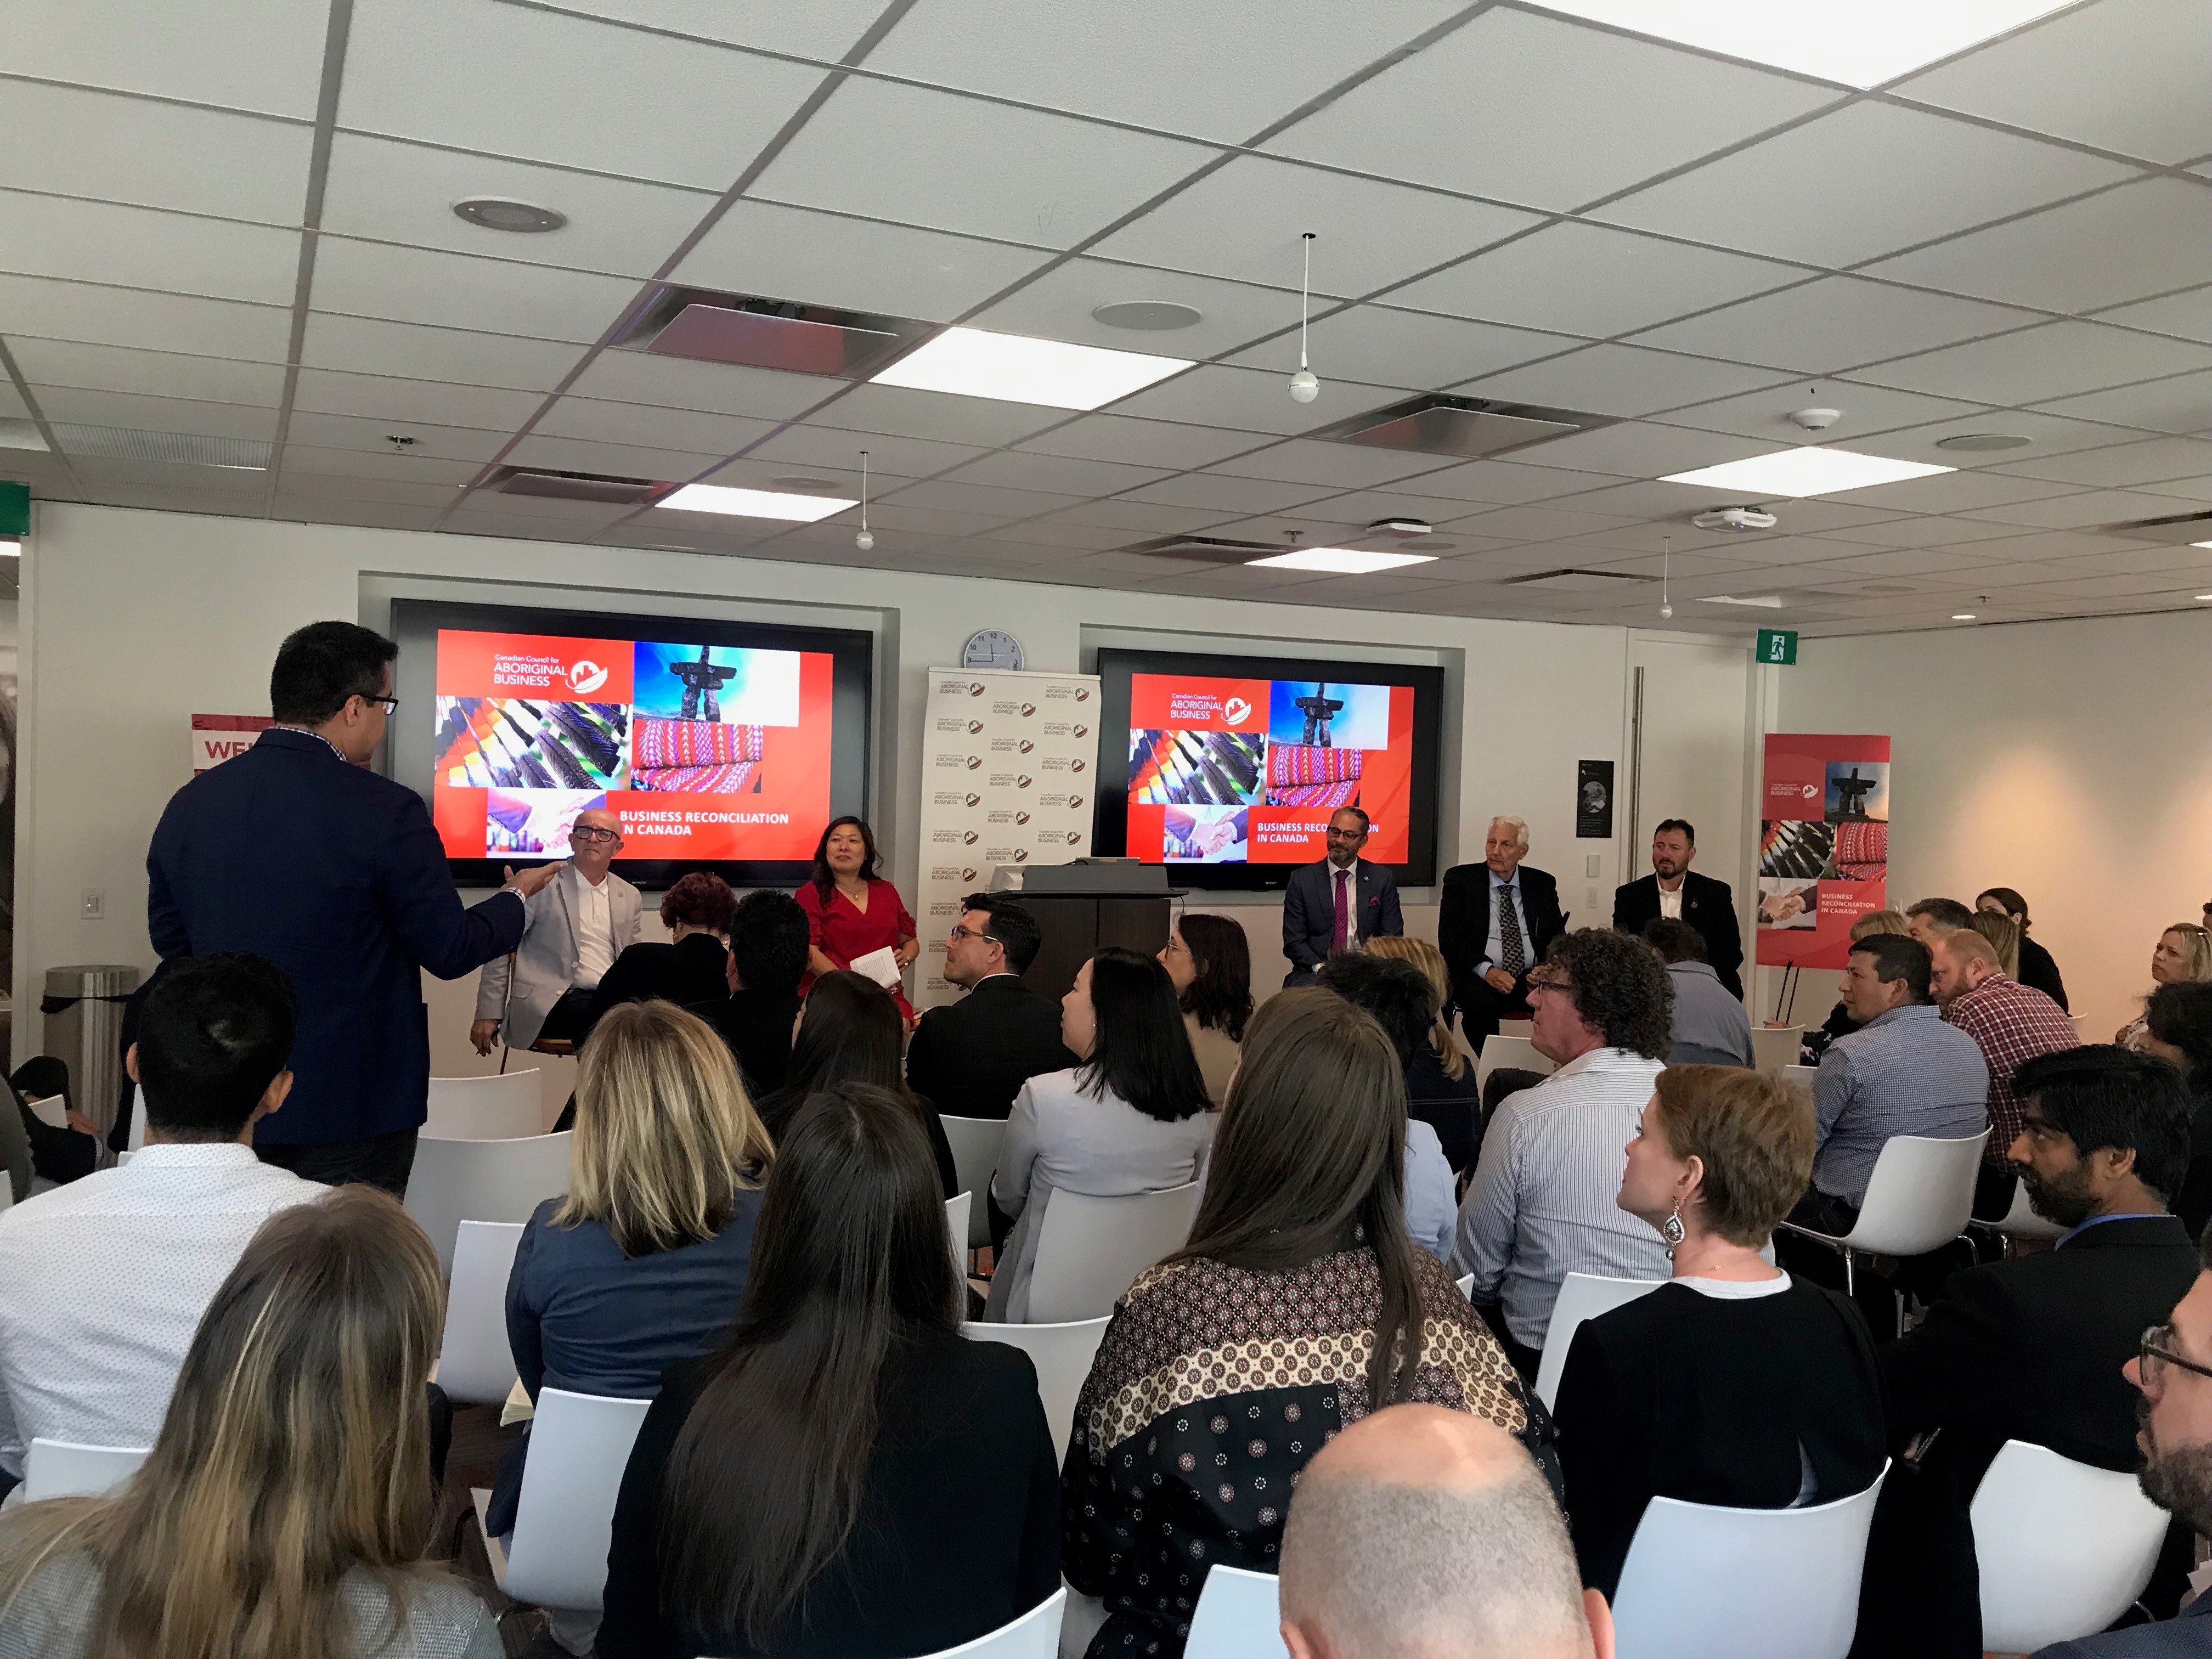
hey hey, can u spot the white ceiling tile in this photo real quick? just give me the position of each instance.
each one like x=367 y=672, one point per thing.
x=757 y=470
x=1953 y=492
x=217 y=480
x=1143 y=519
x=1140 y=443
x=374 y=515
x=1865 y=408
x=1864 y=180
x=1056 y=474
x=2139 y=560
x=2064 y=258
x=1567 y=277
x=153 y=374
x=247 y=54
x=67 y=142
x=1154 y=62
x=1215 y=492
x=614 y=460
x=515 y=80
x=1058 y=306
x=130 y=317
x=497 y=296
x=395 y=192
x=932 y=521
x=943 y=495
x=2087 y=509
x=1834 y=324
x=296 y=483
x=2049 y=434
x=2181 y=403
x=2118 y=466
x=1535 y=523
x=2124 y=75
x=824 y=29
x=1618 y=379
x=2034 y=364
x=1917 y=532
x=1638 y=449
x=685 y=430
x=491 y=501
x=431 y=442
x=1346 y=466
x=861 y=265
x=1252 y=400
x=1646 y=499
x=2188 y=313
x=1248 y=221
x=888 y=151
x=1486 y=111
x=403 y=466
x=641 y=377
x=1510 y=483
x=13 y=407
x=139 y=247
x=385 y=398
x=904 y=412
x=408 y=350
x=1382 y=346
x=80 y=406
x=815 y=447
x=2044 y=544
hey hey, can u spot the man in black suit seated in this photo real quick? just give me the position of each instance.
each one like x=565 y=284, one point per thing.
x=2031 y=1349
x=1312 y=928
x=970 y=1058
x=1497 y=920
x=769 y=937
x=1675 y=891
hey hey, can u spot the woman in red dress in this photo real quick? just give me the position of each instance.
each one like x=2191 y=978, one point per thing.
x=851 y=910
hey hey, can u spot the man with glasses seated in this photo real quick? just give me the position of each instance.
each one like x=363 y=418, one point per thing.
x=2032 y=1349
x=970 y=1058
x=575 y=929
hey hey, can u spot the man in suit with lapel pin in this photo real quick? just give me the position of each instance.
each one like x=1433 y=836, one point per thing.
x=1675 y=891
x=1339 y=903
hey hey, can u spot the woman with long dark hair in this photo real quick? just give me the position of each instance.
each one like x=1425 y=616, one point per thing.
x=1131 y=1118
x=1209 y=962
x=851 y=910
x=846 y=1476
x=1300 y=1276
x=2037 y=971
x=848 y=1032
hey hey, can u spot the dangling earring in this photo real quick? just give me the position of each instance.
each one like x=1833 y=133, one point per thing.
x=1671 y=1230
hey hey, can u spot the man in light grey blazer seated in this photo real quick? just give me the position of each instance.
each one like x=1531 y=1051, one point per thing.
x=572 y=932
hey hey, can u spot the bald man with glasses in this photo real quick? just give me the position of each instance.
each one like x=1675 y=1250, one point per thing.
x=572 y=932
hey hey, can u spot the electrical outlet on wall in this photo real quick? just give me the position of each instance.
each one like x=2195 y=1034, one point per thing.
x=94 y=905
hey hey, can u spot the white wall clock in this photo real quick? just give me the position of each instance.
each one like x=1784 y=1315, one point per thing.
x=992 y=647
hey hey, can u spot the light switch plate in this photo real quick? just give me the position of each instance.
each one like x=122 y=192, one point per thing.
x=93 y=905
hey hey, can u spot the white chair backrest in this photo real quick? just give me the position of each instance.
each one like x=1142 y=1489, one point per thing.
x=137 y=1136
x=1091 y=1249
x=52 y=1110
x=1238 y=1616
x=2064 y=1548
x=502 y=1106
x=956 y=1222
x=975 y=1142
x=1035 y=1635
x=458 y=1181
x=8 y=1188
x=1772 y=1050
x=578 y=1446
x=1465 y=1283
x=1702 y=1581
x=476 y=1366
x=1581 y=1296
x=1803 y=1076
x=2020 y=1221
x=1920 y=1195
x=1062 y=1355
x=61 y=1468
x=1514 y=1051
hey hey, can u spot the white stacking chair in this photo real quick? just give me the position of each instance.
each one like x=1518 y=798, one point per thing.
x=1772 y=1050
x=1704 y=1582
x=476 y=1367
x=1502 y=1051
x=503 y=1107
x=2064 y=1548
x=1581 y=1296
x=1919 y=1198
x=2021 y=1220
x=1062 y=1355
x=556 y=1556
x=458 y=1181
x=956 y=1221
x=135 y=1137
x=52 y=1110
x=1091 y=1249
x=975 y=1142
x=1238 y=1616
x=1035 y=1635
x=61 y=1468
x=7 y=1192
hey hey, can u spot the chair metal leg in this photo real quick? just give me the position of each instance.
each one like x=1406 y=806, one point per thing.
x=1850 y=1279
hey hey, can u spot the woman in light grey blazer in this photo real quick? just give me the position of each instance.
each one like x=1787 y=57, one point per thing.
x=1132 y=1118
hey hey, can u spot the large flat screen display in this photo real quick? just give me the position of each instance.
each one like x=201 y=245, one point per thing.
x=720 y=746
x=1226 y=769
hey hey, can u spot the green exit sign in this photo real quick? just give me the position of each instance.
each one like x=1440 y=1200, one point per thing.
x=14 y=509
x=1777 y=644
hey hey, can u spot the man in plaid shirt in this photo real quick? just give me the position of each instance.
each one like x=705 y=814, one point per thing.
x=2012 y=1023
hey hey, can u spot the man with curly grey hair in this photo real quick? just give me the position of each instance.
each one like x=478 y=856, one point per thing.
x=1541 y=1203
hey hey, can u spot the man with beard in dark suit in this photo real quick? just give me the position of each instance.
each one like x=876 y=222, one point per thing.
x=970 y=1058
x=1675 y=891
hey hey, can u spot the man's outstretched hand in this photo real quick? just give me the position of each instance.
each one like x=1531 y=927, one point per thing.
x=532 y=881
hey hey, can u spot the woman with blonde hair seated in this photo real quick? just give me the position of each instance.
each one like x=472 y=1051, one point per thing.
x=2184 y=955
x=286 y=1504
x=1440 y=1087
x=644 y=1261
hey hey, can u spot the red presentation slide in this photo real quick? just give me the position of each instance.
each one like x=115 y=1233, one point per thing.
x=703 y=751
x=1227 y=771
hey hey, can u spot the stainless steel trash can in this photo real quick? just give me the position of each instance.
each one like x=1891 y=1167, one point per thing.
x=83 y=1010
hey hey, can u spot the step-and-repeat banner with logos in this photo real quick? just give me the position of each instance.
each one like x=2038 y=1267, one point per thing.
x=1008 y=765
x=1823 y=844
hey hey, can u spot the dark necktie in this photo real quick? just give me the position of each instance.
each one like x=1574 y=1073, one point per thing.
x=1340 y=938
x=1512 y=949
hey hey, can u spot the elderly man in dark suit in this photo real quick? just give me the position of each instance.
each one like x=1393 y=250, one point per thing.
x=1497 y=920
x=298 y=853
x=1339 y=903
x=970 y=1058
x=1675 y=891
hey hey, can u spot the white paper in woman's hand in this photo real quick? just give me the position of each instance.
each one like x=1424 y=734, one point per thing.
x=881 y=966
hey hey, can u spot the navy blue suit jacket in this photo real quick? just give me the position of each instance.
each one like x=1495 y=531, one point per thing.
x=1310 y=912
x=338 y=877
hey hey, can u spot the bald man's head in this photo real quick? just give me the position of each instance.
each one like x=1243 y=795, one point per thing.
x=1420 y=1533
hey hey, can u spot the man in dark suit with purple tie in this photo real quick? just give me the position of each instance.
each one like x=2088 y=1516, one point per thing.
x=1341 y=901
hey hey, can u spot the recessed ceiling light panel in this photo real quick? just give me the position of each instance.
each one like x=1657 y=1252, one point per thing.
x=1977 y=443
x=500 y=213
x=1149 y=316
x=1764 y=601
x=11 y=550
x=1018 y=369
x=1342 y=561
x=754 y=503
x=1809 y=470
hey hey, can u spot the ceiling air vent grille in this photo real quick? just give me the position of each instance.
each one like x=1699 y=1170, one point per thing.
x=115 y=443
x=574 y=486
x=1206 y=550
x=2179 y=531
x=755 y=332
x=1577 y=581
x=1471 y=428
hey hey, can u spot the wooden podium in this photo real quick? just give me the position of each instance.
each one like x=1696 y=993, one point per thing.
x=1080 y=906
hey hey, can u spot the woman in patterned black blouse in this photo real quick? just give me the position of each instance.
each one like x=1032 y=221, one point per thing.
x=1299 y=1304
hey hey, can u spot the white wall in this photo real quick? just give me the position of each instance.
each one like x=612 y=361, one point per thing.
x=2070 y=760
x=131 y=621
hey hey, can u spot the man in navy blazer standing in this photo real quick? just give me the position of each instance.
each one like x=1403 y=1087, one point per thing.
x=1341 y=901
x=295 y=850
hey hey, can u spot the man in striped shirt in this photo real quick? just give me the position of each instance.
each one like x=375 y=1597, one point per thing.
x=2013 y=1024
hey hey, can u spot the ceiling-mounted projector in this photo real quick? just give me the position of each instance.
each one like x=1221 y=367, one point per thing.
x=1735 y=518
